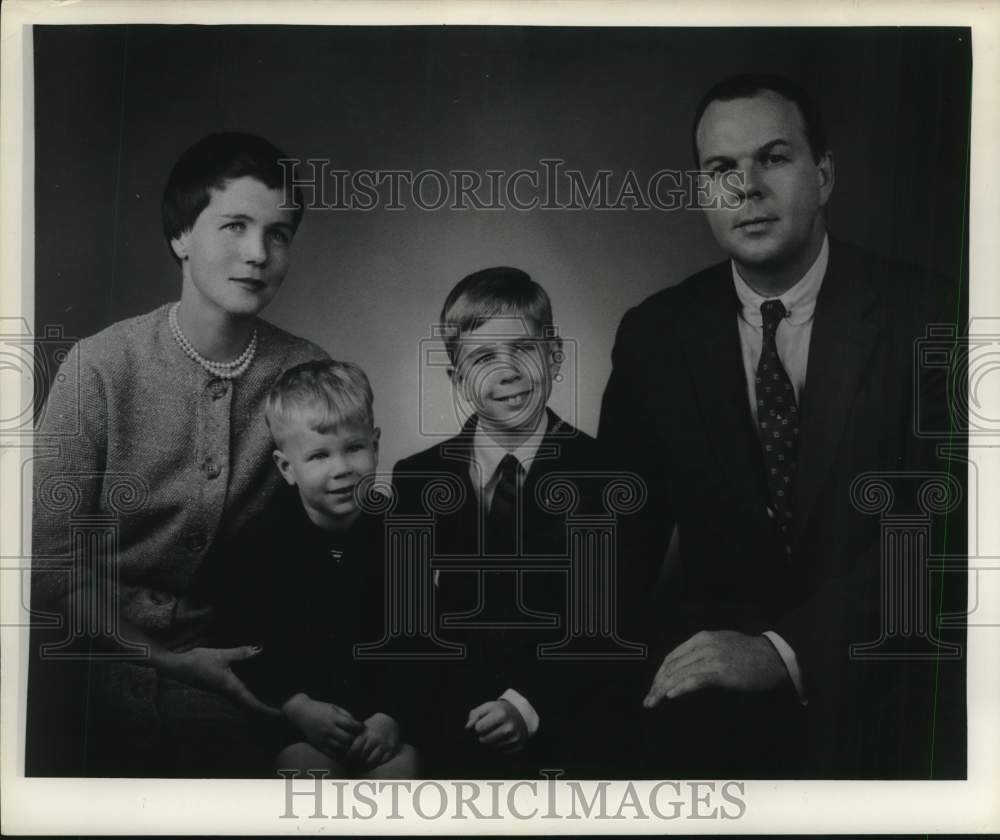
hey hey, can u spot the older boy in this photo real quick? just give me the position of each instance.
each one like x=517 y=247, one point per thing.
x=504 y=710
x=307 y=581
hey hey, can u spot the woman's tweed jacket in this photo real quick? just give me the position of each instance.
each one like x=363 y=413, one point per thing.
x=146 y=460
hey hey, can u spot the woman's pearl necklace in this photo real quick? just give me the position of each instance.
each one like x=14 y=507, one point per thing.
x=223 y=370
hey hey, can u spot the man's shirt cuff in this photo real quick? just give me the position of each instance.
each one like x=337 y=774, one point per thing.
x=525 y=708
x=791 y=663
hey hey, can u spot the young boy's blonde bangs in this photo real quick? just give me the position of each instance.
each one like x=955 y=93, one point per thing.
x=324 y=395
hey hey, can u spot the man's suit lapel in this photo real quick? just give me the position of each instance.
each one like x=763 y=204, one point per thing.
x=715 y=359
x=844 y=334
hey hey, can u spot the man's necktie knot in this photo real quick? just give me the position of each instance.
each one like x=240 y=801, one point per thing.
x=772 y=311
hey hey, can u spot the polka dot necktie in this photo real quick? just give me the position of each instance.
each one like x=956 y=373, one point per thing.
x=777 y=419
x=501 y=523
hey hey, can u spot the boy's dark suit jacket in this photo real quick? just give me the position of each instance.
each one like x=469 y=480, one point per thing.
x=676 y=409
x=566 y=694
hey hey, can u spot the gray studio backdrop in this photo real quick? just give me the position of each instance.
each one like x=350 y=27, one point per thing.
x=114 y=106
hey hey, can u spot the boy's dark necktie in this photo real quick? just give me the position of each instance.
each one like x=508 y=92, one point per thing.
x=501 y=523
x=777 y=419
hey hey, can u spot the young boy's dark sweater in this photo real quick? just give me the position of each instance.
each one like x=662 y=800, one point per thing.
x=308 y=596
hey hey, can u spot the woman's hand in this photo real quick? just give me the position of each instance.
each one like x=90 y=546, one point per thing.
x=209 y=668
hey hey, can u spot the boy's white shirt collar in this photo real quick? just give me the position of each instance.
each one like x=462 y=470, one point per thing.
x=799 y=300
x=488 y=453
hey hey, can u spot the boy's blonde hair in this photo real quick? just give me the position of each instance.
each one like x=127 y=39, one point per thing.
x=492 y=293
x=324 y=394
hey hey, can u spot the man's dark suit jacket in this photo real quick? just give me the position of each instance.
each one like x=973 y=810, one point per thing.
x=676 y=409
x=566 y=694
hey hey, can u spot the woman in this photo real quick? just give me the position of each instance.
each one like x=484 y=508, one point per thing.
x=151 y=451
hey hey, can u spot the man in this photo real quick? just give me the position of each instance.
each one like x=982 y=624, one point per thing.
x=750 y=397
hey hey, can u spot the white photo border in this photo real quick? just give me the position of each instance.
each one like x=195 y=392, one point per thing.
x=95 y=806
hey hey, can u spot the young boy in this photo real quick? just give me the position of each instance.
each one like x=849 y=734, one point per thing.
x=503 y=710
x=308 y=582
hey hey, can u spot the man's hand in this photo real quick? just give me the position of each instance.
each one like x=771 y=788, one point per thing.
x=377 y=743
x=209 y=668
x=498 y=725
x=327 y=727
x=722 y=658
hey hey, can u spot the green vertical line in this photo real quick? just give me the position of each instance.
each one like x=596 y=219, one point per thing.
x=951 y=433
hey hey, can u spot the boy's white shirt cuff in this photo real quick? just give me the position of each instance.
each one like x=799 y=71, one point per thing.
x=525 y=708
x=791 y=663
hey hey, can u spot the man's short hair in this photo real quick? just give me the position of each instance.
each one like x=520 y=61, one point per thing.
x=492 y=293
x=211 y=163
x=750 y=84
x=324 y=394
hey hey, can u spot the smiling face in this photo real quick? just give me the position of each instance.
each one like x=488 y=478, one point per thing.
x=235 y=256
x=326 y=464
x=775 y=230
x=505 y=369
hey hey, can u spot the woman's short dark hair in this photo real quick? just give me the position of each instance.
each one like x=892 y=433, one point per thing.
x=211 y=163
x=750 y=84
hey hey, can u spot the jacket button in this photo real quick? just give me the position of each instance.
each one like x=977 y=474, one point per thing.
x=210 y=468
x=218 y=388
x=196 y=541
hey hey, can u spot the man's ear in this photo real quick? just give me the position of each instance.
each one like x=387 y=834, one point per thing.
x=284 y=466
x=825 y=175
x=376 y=437
x=179 y=245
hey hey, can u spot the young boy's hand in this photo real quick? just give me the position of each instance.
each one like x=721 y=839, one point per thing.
x=327 y=727
x=498 y=725
x=377 y=743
